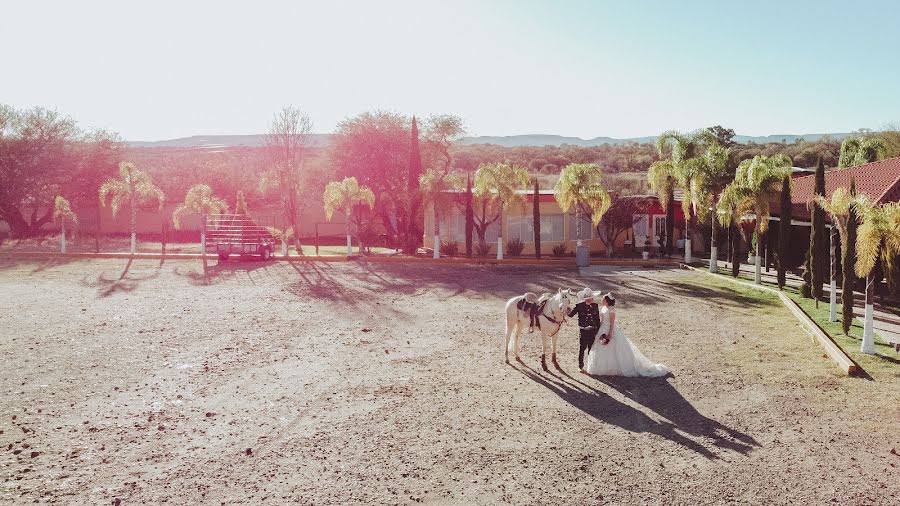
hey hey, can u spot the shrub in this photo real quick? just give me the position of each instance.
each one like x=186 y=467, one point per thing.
x=450 y=248
x=483 y=249
x=514 y=247
x=559 y=250
x=368 y=235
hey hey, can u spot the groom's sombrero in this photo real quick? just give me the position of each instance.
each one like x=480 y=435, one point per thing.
x=586 y=294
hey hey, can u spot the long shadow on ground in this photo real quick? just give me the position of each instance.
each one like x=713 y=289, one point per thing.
x=659 y=396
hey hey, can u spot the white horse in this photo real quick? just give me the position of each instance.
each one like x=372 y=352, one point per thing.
x=550 y=318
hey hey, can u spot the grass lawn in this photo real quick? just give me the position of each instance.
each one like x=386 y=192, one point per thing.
x=885 y=362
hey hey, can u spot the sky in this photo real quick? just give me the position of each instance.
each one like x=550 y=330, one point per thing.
x=162 y=70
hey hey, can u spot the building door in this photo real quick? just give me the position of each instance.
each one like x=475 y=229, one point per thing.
x=640 y=228
x=659 y=229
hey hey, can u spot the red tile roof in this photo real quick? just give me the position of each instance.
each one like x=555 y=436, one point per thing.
x=880 y=181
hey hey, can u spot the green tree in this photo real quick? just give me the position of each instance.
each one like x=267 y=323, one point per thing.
x=580 y=186
x=62 y=213
x=839 y=209
x=724 y=136
x=287 y=145
x=347 y=197
x=756 y=184
x=470 y=215
x=240 y=205
x=859 y=151
x=199 y=199
x=498 y=185
x=708 y=185
x=878 y=238
x=817 y=244
x=536 y=216
x=434 y=186
x=681 y=170
x=407 y=221
x=784 y=230
x=849 y=257
x=132 y=188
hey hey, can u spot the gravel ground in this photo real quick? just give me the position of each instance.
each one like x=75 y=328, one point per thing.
x=381 y=384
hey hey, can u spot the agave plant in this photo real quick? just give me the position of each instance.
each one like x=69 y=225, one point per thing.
x=346 y=196
x=62 y=214
x=132 y=188
x=878 y=237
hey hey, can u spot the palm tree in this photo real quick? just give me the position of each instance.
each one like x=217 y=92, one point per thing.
x=433 y=185
x=855 y=151
x=581 y=186
x=878 y=238
x=682 y=170
x=839 y=210
x=499 y=184
x=199 y=200
x=710 y=181
x=62 y=212
x=756 y=183
x=132 y=188
x=284 y=235
x=345 y=196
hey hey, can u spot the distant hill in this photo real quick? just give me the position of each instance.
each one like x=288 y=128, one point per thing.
x=228 y=141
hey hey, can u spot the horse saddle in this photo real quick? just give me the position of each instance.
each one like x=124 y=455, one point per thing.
x=534 y=306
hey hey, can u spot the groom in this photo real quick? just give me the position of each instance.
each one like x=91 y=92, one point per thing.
x=588 y=322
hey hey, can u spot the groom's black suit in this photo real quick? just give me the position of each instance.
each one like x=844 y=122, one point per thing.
x=589 y=324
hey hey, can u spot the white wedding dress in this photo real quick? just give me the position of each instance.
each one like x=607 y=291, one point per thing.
x=620 y=357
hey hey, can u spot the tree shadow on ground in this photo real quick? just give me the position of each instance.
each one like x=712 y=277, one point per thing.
x=681 y=418
x=125 y=282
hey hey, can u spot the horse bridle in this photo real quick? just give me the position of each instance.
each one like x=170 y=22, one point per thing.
x=550 y=318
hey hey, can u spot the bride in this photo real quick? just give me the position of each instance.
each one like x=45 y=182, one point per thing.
x=616 y=355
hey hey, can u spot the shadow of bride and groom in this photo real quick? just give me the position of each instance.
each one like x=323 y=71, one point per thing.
x=681 y=423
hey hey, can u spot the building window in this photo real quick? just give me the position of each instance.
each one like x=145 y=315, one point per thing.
x=522 y=228
x=587 y=228
x=659 y=226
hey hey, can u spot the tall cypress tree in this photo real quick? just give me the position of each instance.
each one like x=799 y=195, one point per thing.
x=849 y=258
x=818 y=240
x=537 y=219
x=409 y=228
x=470 y=216
x=784 y=231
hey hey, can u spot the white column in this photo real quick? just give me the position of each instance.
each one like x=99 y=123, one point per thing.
x=687 y=251
x=349 y=247
x=499 y=248
x=133 y=241
x=284 y=247
x=758 y=275
x=713 y=259
x=832 y=314
x=868 y=340
x=437 y=247
x=202 y=243
x=62 y=237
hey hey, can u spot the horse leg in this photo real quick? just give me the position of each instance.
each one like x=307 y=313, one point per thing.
x=510 y=328
x=554 y=339
x=518 y=335
x=544 y=350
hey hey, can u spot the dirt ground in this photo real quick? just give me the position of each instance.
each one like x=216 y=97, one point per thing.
x=380 y=384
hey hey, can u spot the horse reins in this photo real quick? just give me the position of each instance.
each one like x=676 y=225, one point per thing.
x=554 y=320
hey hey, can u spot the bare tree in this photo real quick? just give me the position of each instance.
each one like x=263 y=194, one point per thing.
x=287 y=145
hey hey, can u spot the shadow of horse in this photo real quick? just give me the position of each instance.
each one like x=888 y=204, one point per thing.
x=681 y=420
